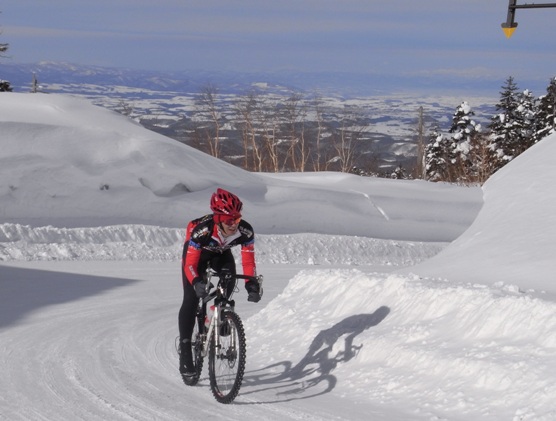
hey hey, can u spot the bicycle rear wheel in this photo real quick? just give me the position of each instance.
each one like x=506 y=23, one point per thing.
x=227 y=361
x=197 y=351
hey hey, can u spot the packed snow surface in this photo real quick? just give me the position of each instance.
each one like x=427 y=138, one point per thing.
x=384 y=299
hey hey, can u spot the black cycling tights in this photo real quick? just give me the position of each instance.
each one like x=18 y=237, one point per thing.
x=186 y=317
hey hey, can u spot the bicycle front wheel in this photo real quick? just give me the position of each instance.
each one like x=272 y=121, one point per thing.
x=227 y=359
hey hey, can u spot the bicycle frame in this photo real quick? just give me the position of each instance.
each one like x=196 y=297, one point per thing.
x=220 y=302
x=219 y=298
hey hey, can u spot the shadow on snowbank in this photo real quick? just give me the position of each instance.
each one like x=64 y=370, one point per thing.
x=23 y=291
x=312 y=375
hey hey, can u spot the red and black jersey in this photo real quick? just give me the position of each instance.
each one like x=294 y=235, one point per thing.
x=203 y=236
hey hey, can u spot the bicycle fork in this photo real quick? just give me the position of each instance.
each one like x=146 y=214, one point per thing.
x=214 y=326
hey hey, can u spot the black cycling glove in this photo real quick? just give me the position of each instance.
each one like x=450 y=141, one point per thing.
x=253 y=291
x=200 y=287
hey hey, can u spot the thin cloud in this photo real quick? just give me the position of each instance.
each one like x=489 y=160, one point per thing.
x=34 y=32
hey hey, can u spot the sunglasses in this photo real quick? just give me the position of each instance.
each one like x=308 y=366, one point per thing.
x=231 y=221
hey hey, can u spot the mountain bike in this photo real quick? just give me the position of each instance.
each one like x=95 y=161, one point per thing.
x=221 y=336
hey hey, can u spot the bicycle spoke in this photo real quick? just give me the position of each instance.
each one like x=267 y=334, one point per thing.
x=227 y=360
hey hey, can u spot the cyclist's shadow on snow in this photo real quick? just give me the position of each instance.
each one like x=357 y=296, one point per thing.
x=312 y=375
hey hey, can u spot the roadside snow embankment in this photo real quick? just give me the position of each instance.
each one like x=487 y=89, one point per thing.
x=142 y=242
x=467 y=349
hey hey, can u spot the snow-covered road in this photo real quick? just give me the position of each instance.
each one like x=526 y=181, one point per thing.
x=90 y=340
x=95 y=341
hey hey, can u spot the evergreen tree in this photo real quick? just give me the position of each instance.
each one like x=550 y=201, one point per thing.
x=5 y=86
x=512 y=128
x=437 y=156
x=546 y=112
x=463 y=126
x=527 y=111
x=3 y=48
x=465 y=131
x=399 y=173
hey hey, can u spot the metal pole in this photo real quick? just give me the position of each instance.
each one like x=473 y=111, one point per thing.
x=532 y=6
x=511 y=13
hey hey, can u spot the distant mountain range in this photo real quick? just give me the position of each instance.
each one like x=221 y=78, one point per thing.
x=50 y=73
x=344 y=84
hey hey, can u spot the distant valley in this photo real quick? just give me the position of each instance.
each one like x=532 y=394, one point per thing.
x=169 y=104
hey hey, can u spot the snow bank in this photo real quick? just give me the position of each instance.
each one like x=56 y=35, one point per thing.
x=141 y=242
x=481 y=352
x=512 y=238
x=67 y=163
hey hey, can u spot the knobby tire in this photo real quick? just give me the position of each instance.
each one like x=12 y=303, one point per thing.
x=227 y=363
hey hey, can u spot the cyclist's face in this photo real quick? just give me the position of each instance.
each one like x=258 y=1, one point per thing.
x=230 y=226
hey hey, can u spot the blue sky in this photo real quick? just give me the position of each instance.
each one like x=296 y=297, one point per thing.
x=435 y=38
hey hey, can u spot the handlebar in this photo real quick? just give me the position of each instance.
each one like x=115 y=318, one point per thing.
x=212 y=273
x=224 y=277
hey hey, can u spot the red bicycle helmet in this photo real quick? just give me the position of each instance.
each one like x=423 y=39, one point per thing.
x=225 y=203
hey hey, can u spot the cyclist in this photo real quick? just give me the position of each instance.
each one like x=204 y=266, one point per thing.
x=209 y=240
